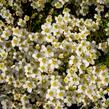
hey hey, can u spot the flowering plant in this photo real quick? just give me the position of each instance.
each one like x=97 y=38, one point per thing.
x=54 y=53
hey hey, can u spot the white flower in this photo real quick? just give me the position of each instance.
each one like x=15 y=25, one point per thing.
x=15 y=41
x=55 y=84
x=5 y=34
x=55 y=62
x=86 y=63
x=46 y=28
x=51 y=94
x=26 y=18
x=21 y=22
x=3 y=54
x=58 y=5
x=16 y=31
x=50 y=38
x=81 y=88
x=33 y=36
x=60 y=94
x=29 y=86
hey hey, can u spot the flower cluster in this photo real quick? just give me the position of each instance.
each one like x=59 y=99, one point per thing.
x=51 y=54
